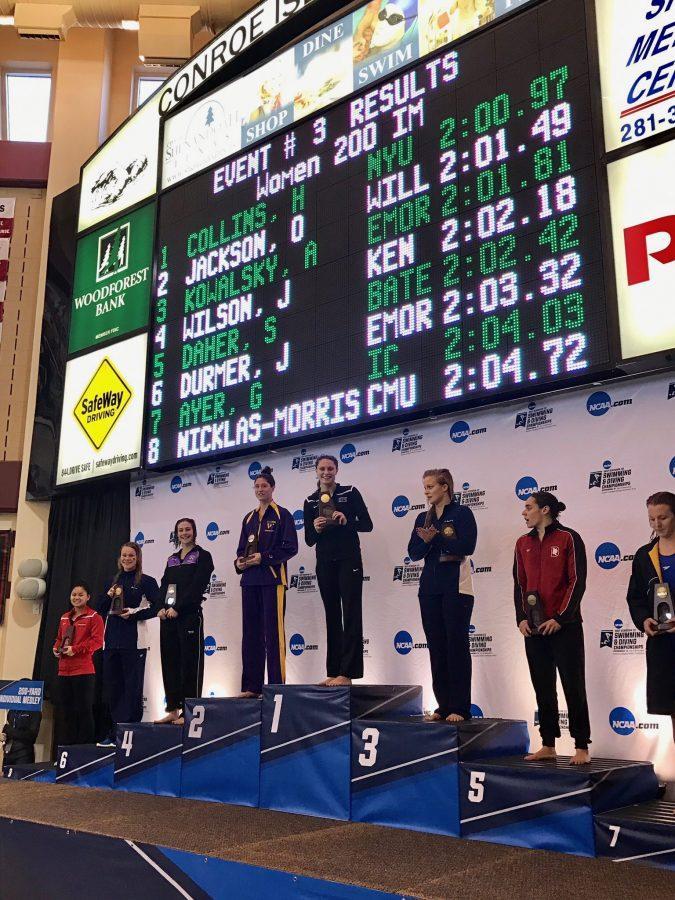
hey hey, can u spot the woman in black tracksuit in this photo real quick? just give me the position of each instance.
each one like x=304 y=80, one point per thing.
x=123 y=662
x=653 y=564
x=339 y=569
x=181 y=632
x=444 y=537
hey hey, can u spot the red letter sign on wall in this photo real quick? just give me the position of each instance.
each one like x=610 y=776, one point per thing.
x=637 y=252
x=642 y=197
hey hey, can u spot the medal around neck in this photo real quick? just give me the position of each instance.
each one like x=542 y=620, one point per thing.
x=663 y=606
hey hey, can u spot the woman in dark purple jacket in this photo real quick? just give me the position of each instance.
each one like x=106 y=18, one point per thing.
x=268 y=540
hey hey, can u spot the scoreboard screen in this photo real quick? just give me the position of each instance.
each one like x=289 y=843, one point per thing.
x=431 y=240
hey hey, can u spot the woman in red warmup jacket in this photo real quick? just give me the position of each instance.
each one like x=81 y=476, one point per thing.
x=80 y=635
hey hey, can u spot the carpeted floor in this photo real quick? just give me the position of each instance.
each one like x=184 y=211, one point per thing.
x=405 y=862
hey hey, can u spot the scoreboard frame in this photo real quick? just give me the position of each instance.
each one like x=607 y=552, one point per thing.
x=600 y=371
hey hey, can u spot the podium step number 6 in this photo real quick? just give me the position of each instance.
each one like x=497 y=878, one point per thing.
x=197 y=722
x=63 y=760
x=370 y=738
x=476 y=787
x=278 y=700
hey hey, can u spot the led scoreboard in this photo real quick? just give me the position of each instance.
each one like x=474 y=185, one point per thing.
x=428 y=241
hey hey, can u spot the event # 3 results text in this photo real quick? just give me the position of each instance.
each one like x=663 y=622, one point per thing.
x=422 y=243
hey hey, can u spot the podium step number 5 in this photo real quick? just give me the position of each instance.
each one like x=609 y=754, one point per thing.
x=476 y=787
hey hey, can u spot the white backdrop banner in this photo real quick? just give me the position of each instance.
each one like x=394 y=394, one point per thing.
x=603 y=451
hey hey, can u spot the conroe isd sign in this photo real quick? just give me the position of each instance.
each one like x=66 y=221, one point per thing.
x=111 y=290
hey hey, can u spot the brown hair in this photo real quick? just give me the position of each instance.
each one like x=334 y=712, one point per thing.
x=662 y=498
x=442 y=476
x=139 y=560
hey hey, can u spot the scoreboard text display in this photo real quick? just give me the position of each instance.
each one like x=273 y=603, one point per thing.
x=428 y=241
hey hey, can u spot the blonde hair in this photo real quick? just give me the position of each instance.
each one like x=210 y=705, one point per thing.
x=139 y=560
x=442 y=476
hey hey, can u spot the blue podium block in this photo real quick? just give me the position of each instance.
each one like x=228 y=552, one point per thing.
x=85 y=765
x=404 y=772
x=44 y=772
x=644 y=833
x=385 y=701
x=546 y=805
x=221 y=751
x=304 y=755
x=148 y=759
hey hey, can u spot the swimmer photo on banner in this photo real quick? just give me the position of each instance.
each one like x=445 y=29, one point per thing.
x=384 y=39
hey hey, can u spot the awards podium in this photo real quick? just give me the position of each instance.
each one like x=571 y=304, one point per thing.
x=365 y=753
x=85 y=765
x=546 y=804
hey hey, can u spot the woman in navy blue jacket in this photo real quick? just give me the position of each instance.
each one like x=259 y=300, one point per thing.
x=268 y=540
x=123 y=662
x=443 y=537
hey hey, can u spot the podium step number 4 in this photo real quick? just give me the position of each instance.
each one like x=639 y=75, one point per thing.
x=148 y=759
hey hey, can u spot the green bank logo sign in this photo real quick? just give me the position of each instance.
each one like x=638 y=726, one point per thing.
x=112 y=281
x=113 y=252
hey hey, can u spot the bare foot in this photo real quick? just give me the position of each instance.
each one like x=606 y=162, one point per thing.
x=340 y=681
x=454 y=717
x=179 y=721
x=580 y=758
x=433 y=717
x=247 y=695
x=168 y=718
x=325 y=682
x=544 y=753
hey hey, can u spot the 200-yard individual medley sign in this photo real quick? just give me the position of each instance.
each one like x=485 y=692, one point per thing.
x=102 y=414
x=111 y=292
x=637 y=68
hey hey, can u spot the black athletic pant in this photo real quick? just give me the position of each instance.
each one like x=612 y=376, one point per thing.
x=77 y=699
x=123 y=672
x=181 y=643
x=563 y=651
x=446 y=619
x=341 y=585
x=19 y=755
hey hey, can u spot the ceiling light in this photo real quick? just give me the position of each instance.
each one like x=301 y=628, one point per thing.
x=6 y=20
x=129 y=25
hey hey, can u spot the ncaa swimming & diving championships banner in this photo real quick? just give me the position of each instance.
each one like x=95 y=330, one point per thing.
x=602 y=451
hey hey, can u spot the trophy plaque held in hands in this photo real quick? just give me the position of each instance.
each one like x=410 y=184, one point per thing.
x=171 y=597
x=327 y=508
x=663 y=606
x=251 y=545
x=535 y=611
x=448 y=533
x=68 y=638
x=117 y=605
